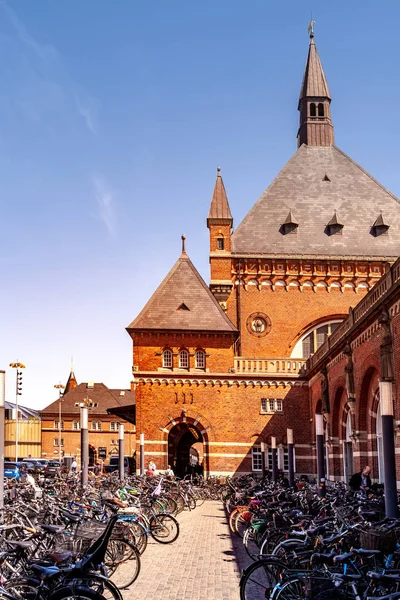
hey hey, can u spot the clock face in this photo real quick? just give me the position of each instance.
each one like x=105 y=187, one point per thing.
x=259 y=324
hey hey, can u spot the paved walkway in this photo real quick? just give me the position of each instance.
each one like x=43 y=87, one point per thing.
x=204 y=563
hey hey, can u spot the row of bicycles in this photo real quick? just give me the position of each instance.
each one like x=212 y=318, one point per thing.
x=58 y=541
x=302 y=546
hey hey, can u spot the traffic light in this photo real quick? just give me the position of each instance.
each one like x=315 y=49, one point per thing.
x=19 y=383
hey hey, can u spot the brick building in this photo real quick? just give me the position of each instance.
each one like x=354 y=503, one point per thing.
x=108 y=408
x=224 y=366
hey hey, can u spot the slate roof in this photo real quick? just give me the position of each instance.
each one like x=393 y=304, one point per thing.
x=301 y=187
x=219 y=208
x=99 y=393
x=314 y=80
x=183 y=286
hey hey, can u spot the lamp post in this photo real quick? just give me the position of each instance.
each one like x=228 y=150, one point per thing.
x=142 y=453
x=18 y=392
x=84 y=444
x=121 y=453
x=2 y=411
x=263 y=459
x=289 y=435
x=60 y=389
x=274 y=459
x=319 y=434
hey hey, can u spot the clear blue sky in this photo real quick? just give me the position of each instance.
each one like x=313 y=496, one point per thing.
x=114 y=115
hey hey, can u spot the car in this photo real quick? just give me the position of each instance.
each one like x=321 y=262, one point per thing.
x=28 y=466
x=129 y=465
x=11 y=469
x=53 y=468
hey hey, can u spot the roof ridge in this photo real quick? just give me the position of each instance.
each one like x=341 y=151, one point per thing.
x=366 y=173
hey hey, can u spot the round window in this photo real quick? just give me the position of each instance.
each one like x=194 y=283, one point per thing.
x=259 y=324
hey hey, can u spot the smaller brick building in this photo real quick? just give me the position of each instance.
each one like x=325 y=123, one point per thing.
x=108 y=408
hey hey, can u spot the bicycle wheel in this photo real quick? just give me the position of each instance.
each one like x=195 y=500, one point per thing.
x=139 y=536
x=22 y=590
x=260 y=578
x=74 y=593
x=164 y=528
x=122 y=562
x=102 y=585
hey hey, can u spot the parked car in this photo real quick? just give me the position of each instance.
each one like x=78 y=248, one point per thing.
x=11 y=469
x=33 y=466
x=129 y=465
x=53 y=468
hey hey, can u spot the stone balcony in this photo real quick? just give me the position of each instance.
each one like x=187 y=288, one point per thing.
x=289 y=367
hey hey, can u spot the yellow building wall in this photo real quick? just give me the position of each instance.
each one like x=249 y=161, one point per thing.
x=29 y=439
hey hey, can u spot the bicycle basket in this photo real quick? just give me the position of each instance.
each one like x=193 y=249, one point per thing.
x=90 y=530
x=374 y=539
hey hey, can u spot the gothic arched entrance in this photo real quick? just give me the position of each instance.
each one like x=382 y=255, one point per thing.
x=181 y=456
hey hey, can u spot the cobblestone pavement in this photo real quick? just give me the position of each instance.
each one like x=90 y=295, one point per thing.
x=204 y=563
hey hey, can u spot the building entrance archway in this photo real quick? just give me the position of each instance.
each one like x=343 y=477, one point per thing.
x=181 y=456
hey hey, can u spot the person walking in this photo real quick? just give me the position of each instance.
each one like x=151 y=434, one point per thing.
x=74 y=466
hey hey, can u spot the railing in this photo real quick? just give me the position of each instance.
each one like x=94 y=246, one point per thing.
x=292 y=367
x=380 y=289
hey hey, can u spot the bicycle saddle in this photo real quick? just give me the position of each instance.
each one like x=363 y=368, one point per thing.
x=342 y=558
x=364 y=552
x=45 y=572
x=19 y=545
x=59 y=557
x=70 y=516
x=387 y=576
x=52 y=528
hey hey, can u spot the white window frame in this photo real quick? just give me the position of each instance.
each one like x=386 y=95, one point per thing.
x=56 y=424
x=96 y=426
x=183 y=364
x=200 y=364
x=282 y=459
x=55 y=443
x=167 y=360
x=298 y=347
x=271 y=405
x=76 y=425
x=114 y=425
x=256 y=459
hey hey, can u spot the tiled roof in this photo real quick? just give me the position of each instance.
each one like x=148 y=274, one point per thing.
x=314 y=80
x=101 y=396
x=219 y=208
x=302 y=187
x=183 y=286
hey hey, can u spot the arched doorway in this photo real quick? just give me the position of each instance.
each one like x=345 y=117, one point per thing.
x=181 y=456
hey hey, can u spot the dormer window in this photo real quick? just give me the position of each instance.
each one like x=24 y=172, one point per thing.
x=321 y=110
x=379 y=227
x=334 y=226
x=167 y=359
x=220 y=243
x=313 y=110
x=183 y=359
x=289 y=225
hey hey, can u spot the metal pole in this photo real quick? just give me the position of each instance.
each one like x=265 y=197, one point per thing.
x=84 y=446
x=319 y=430
x=142 y=453
x=263 y=459
x=274 y=459
x=16 y=416
x=121 y=453
x=389 y=458
x=59 y=424
x=289 y=436
x=2 y=415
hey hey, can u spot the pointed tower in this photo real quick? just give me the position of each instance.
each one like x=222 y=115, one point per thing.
x=219 y=222
x=71 y=383
x=316 y=128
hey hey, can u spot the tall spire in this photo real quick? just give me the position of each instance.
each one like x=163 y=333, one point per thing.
x=71 y=383
x=316 y=128
x=219 y=208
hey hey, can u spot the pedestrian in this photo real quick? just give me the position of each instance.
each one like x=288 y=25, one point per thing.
x=169 y=472
x=361 y=481
x=152 y=466
x=74 y=466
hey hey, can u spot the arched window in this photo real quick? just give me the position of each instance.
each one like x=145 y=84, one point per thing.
x=321 y=110
x=200 y=359
x=220 y=243
x=183 y=359
x=313 y=110
x=314 y=338
x=167 y=359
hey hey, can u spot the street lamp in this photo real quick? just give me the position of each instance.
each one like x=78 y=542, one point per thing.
x=18 y=392
x=60 y=389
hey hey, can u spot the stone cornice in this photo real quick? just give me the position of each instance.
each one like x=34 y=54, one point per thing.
x=216 y=380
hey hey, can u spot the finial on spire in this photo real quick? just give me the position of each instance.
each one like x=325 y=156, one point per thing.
x=183 y=238
x=311 y=27
x=218 y=171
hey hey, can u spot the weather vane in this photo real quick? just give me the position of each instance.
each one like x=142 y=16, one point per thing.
x=311 y=26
